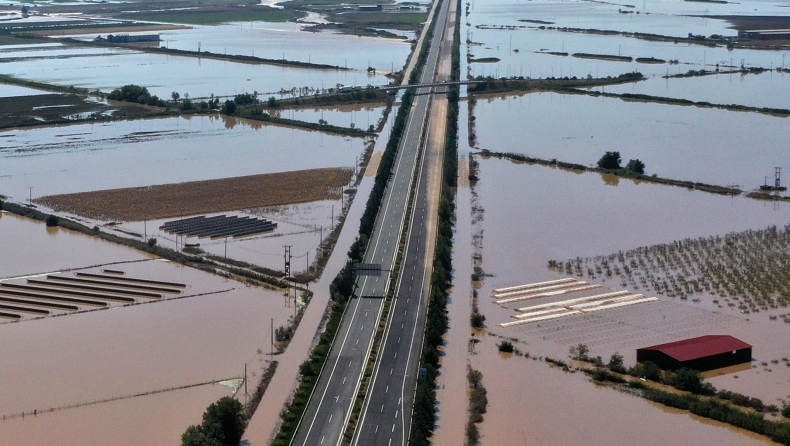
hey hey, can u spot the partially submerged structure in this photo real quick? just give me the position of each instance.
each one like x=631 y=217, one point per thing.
x=701 y=353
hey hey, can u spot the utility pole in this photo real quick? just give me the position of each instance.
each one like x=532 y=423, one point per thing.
x=226 y=246
x=30 y=200
x=246 y=393
x=272 y=343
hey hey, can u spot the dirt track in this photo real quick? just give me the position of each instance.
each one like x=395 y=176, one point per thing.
x=200 y=197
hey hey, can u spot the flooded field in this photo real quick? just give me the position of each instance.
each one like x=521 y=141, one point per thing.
x=160 y=151
x=287 y=40
x=107 y=68
x=637 y=215
x=523 y=49
x=64 y=248
x=84 y=357
x=7 y=91
x=764 y=90
x=356 y=115
x=531 y=403
x=715 y=146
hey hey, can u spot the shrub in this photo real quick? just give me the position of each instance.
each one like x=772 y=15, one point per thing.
x=478 y=320
x=616 y=363
x=610 y=160
x=636 y=166
x=786 y=411
x=52 y=221
x=506 y=347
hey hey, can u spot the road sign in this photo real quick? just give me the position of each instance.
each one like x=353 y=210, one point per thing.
x=368 y=269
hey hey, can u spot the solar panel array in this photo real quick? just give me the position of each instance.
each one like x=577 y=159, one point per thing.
x=61 y=293
x=218 y=226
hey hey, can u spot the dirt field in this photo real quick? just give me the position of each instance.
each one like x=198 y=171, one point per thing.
x=199 y=197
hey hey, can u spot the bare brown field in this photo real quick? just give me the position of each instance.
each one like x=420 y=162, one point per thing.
x=201 y=197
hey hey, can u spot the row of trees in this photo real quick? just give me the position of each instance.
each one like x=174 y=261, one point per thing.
x=437 y=322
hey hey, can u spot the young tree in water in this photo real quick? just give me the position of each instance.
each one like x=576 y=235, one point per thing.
x=610 y=160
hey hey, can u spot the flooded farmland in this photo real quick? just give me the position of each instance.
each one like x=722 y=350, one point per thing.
x=717 y=146
x=146 y=152
x=208 y=334
x=106 y=69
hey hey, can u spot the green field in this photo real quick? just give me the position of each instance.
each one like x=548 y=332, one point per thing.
x=11 y=40
x=213 y=17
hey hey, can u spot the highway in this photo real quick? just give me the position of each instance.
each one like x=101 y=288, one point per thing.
x=328 y=411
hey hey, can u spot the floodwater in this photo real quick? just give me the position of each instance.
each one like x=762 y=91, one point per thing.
x=684 y=143
x=356 y=115
x=531 y=403
x=287 y=40
x=165 y=417
x=302 y=226
x=88 y=157
x=718 y=89
x=524 y=51
x=58 y=361
x=108 y=69
x=28 y=239
x=7 y=91
x=562 y=215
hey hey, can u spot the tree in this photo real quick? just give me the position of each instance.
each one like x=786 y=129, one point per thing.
x=786 y=411
x=616 y=363
x=151 y=242
x=229 y=108
x=175 y=96
x=475 y=377
x=610 y=160
x=52 y=221
x=579 y=352
x=196 y=436
x=273 y=102
x=225 y=418
x=636 y=166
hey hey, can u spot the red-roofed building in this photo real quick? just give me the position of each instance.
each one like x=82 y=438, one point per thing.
x=701 y=354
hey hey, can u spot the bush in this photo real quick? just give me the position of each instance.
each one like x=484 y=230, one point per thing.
x=478 y=320
x=506 y=347
x=52 y=221
x=610 y=160
x=636 y=166
x=786 y=411
x=601 y=374
x=151 y=242
x=616 y=363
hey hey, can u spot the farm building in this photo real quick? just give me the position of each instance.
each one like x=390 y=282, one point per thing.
x=765 y=34
x=701 y=353
x=126 y=38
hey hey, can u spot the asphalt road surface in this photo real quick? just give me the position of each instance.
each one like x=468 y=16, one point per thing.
x=329 y=409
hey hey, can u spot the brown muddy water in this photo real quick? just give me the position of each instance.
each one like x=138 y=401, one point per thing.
x=88 y=157
x=30 y=247
x=59 y=361
x=685 y=143
x=531 y=403
x=107 y=69
x=565 y=215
